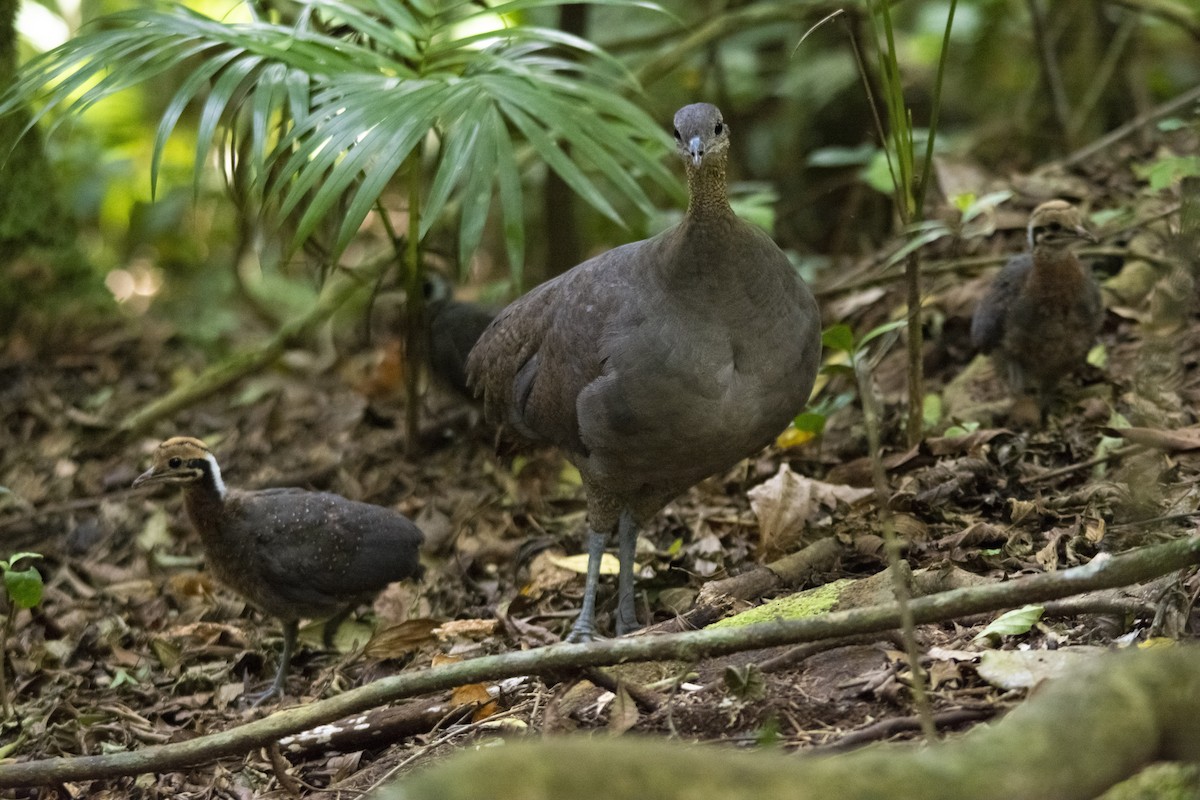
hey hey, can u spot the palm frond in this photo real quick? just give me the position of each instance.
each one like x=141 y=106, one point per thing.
x=327 y=110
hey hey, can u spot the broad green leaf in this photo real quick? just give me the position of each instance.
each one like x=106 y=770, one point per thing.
x=457 y=156
x=1012 y=623
x=24 y=587
x=810 y=422
x=477 y=194
x=838 y=337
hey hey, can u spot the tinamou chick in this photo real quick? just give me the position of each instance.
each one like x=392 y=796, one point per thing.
x=1043 y=311
x=293 y=553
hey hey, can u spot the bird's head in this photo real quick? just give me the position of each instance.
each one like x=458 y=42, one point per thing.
x=182 y=461
x=700 y=133
x=1057 y=223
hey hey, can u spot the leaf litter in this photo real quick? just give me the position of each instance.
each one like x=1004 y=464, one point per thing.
x=134 y=644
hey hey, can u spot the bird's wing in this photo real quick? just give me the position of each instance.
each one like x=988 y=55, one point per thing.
x=987 y=324
x=316 y=547
x=542 y=350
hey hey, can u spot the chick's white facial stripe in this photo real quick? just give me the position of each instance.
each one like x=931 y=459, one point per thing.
x=218 y=484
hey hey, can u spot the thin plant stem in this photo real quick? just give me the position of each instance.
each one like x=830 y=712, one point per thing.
x=414 y=320
x=8 y=625
x=927 y=167
x=900 y=575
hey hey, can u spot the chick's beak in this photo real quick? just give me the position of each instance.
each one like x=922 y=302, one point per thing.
x=149 y=476
x=1085 y=234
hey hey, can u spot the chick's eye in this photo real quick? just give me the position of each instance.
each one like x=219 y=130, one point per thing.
x=1054 y=226
x=720 y=127
x=175 y=463
x=678 y=138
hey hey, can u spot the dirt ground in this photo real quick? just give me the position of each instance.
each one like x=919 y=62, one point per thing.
x=135 y=644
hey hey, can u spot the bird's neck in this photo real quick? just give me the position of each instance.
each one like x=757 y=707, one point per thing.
x=707 y=191
x=204 y=502
x=1056 y=272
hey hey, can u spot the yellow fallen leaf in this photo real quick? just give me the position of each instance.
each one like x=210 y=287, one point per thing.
x=793 y=437
x=609 y=565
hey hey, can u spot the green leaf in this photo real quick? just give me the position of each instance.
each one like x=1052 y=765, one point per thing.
x=511 y=203
x=931 y=412
x=16 y=557
x=838 y=337
x=979 y=205
x=961 y=430
x=880 y=330
x=810 y=422
x=24 y=587
x=1012 y=623
x=1168 y=170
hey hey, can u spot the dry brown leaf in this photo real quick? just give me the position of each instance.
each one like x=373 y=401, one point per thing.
x=787 y=502
x=397 y=640
x=623 y=713
x=1171 y=441
x=469 y=694
x=191 y=584
x=967 y=443
x=474 y=629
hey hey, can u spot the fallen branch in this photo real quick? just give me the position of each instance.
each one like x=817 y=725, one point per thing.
x=717 y=598
x=1102 y=573
x=1074 y=739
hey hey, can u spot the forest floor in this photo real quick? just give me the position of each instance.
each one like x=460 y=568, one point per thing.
x=134 y=644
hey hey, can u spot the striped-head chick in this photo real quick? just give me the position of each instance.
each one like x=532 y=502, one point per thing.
x=1056 y=224
x=183 y=461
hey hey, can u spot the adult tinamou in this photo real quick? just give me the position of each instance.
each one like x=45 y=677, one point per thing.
x=294 y=553
x=657 y=363
x=1043 y=311
x=454 y=327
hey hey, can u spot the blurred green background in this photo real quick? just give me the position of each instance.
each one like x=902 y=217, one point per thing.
x=1025 y=82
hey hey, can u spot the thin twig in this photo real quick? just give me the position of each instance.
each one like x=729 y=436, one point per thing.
x=1120 y=452
x=1133 y=126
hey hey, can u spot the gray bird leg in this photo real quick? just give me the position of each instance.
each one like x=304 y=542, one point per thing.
x=584 y=629
x=290 y=629
x=627 y=547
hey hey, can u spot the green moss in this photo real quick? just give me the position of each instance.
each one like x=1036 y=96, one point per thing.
x=1159 y=782
x=808 y=603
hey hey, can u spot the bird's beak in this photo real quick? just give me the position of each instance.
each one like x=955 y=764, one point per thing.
x=1085 y=234
x=696 y=150
x=149 y=476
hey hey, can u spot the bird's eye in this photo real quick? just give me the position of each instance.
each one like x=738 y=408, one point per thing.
x=175 y=463
x=678 y=138
x=1054 y=227
x=720 y=127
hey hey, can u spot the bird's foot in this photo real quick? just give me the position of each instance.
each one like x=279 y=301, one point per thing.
x=582 y=631
x=258 y=698
x=626 y=622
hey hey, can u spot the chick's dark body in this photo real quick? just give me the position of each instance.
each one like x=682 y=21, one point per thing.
x=298 y=554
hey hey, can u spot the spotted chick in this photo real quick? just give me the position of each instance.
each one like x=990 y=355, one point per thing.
x=1043 y=311
x=293 y=553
